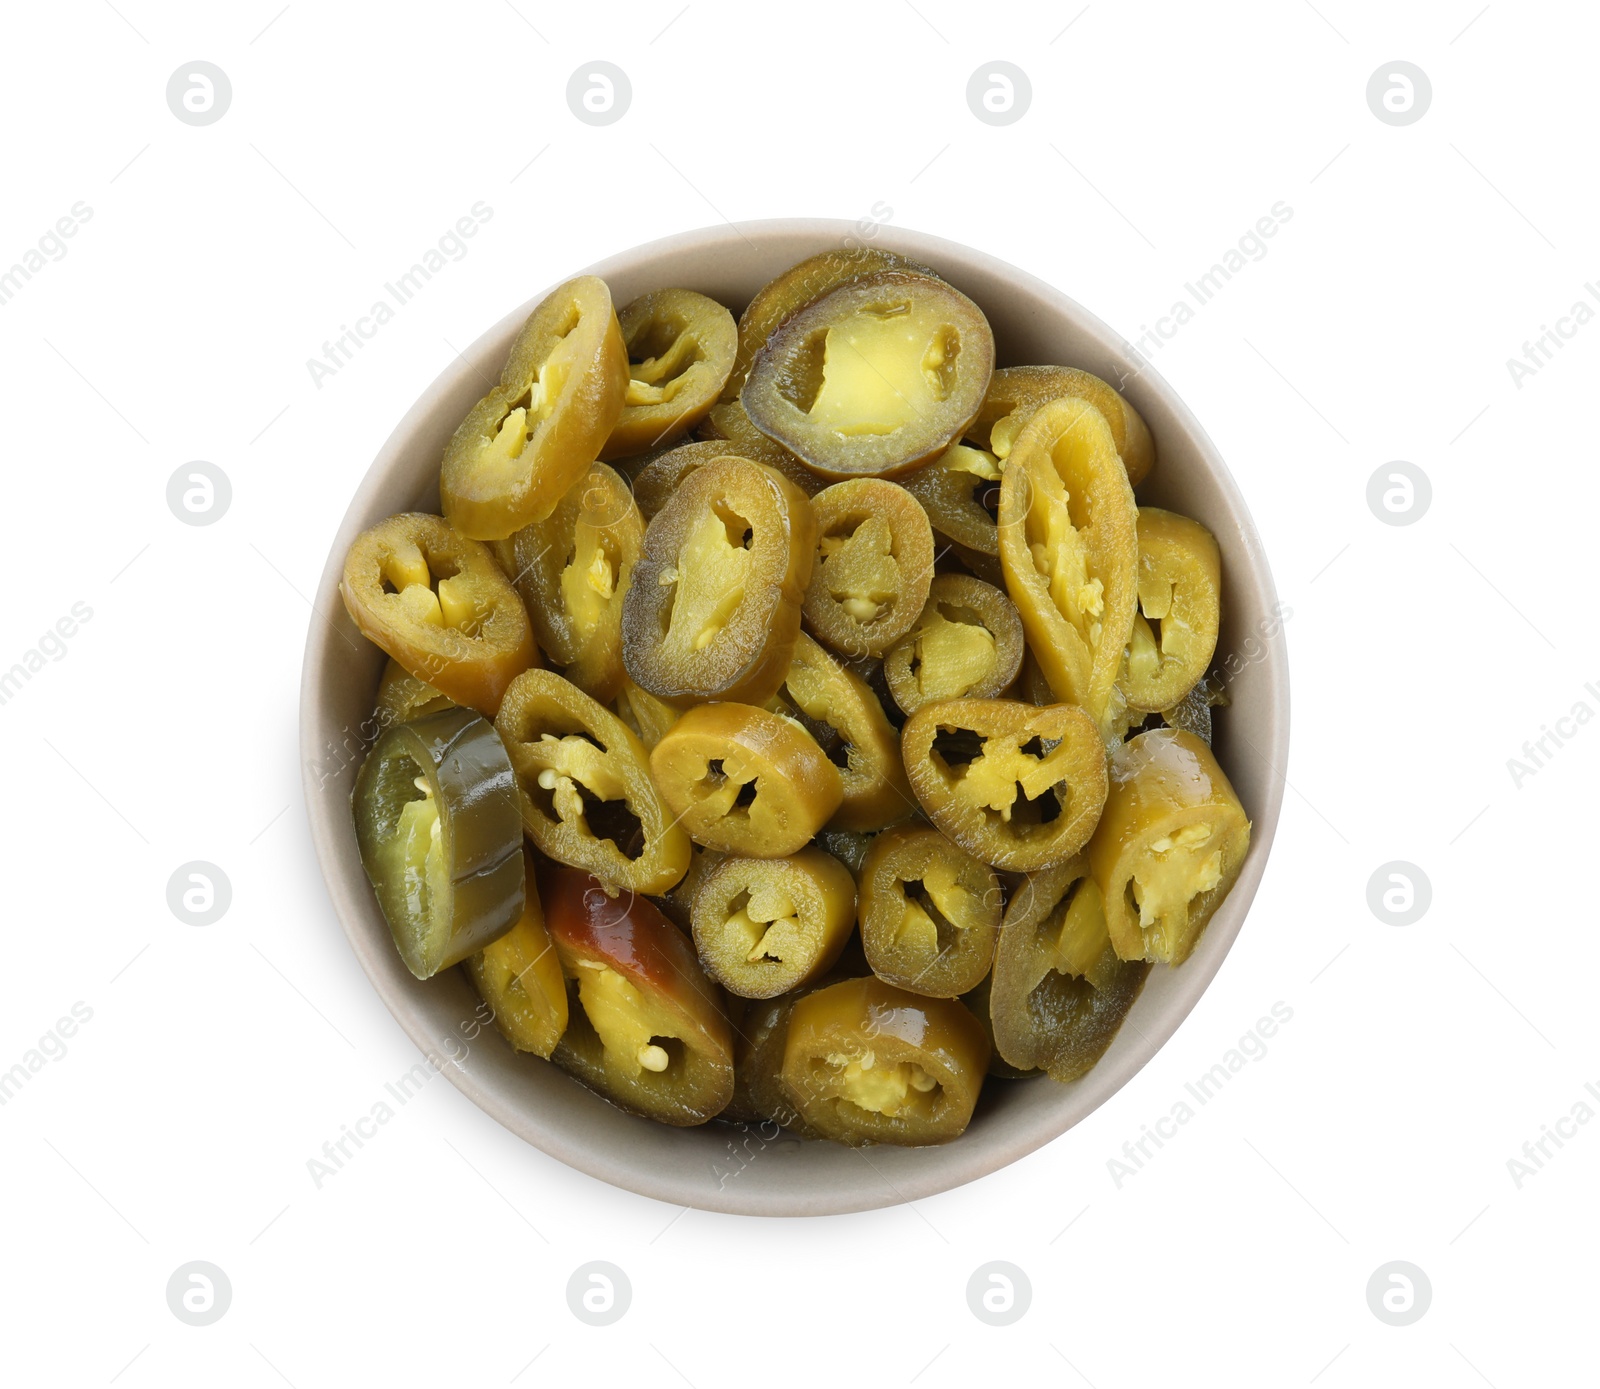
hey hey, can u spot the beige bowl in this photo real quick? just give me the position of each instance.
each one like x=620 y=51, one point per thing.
x=723 y=1167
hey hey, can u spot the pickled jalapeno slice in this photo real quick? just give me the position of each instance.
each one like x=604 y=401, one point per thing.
x=865 y=1062
x=573 y=572
x=646 y=1027
x=1059 y=992
x=1069 y=547
x=967 y=644
x=584 y=786
x=402 y=697
x=960 y=491
x=873 y=378
x=657 y=480
x=1017 y=786
x=929 y=912
x=744 y=780
x=1175 y=627
x=782 y=297
x=561 y=393
x=1015 y=393
x=845 y=717
x=440 y=838
x=873 y=566
x=519 y=977
x=439 y=605
x=714 y=607
x=1168 y=847
x=766 y=926
x=680 y=351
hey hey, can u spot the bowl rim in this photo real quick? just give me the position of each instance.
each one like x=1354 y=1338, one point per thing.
x=1104 y=1080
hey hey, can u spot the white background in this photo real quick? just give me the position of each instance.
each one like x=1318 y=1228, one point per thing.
x=218 y=1060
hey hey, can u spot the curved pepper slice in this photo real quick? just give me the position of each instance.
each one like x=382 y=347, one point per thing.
x=873 y=566
x=647 y=1028
x=766 y=926
x=519 y=977
x=875 y=377
x=978 y=1001
x=439 y=605
x=845 y=717
x=1169 y=846
x=402 y=697
x=960 y=491
x=1180 y=596
x=573 y=571
x=1070 y=549
x=436 y=822
x=1017 y=786
x=782 y=297
x=745 y=781
x=680 y=351
x=715 y=603
x=967 y=644
x=525 y=443
x=1015 y=393
x=929 y=913
x=658 y=480
x=646 y=715
x=584 y=786
x=1059 y=993
x=728 y=421
x=865 y=1062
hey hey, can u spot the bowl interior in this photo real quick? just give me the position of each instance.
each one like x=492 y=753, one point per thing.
x=716 y=1167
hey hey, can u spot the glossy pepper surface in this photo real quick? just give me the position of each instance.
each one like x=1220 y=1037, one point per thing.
x=766 y=926
x=865 y=1062
x=531 y=437
x=573 y=572
x=715 y=603
x=1059 y=992
x=584 y=786
x=1169 y=846
x=967 y=643
x=745 y=780
x=439 y=605
x=1069 y=547
x=519 y=977
x=680 y=351
x=1175 y=628
x=437 y=826
x=1015 y=393
x=1015 y=785
x=873 y=566
x=929 y=912
x=875 y=377
x=647 y=1027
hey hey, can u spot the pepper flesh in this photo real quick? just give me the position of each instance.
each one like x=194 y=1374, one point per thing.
x=873 y=565
x=1175 y=627
x=657 y=481
x=519 y=977
x=584 y=786
x=439 y=605
x=865 y=1062
x=1015 y=393
x=524 y=444
x=929 y=913
x=647 y=1028
x=1069 y=547
x=1017 y=786
x=873 y=378
x=402 y=697
x=766 y=926
x=437 y=827
x=1169 y=846
x=960 y=490
x=680 y=349
x=714 y=608
x=785 y=295
x=745 y=781
x=966 y=644
x=573 y=572
x=1059 y=993
x=846 y=718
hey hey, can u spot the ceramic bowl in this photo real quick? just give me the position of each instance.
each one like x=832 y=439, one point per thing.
x=721 y=1167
